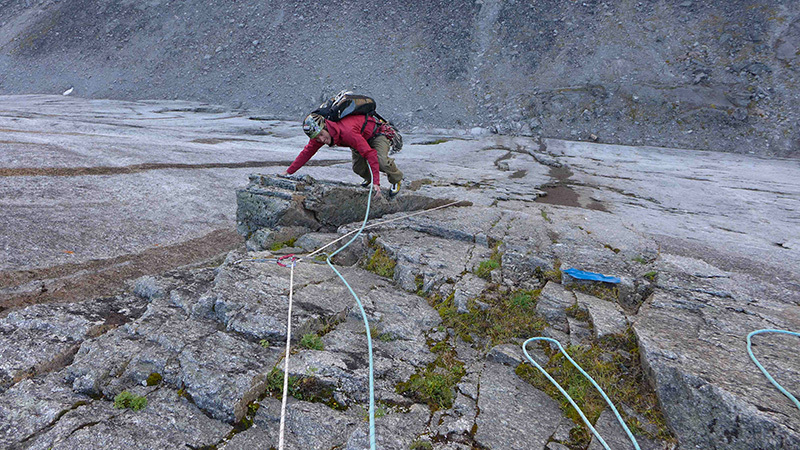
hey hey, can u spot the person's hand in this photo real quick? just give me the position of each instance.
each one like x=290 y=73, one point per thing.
x=285 y=173
x=378 y=194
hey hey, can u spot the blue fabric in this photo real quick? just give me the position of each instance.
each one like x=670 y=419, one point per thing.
x=583 y=275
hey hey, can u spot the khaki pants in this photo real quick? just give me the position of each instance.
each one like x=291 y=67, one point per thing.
x=386 y=165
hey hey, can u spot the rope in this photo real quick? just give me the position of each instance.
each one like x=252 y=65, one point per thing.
x=572 y=402
x=363 y=316
x=286 y=357
x=763 y=370
x=373 y=225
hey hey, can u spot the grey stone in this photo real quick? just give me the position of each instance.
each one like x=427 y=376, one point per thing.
x=31 y=405
x=607 y=318
x=148 y=287
x=469 y=287
x=552 y=304
x=526 y=425
x=308 y=426
x=168 y=421
x=690 y=351
x=612 y=432
x=580 y=333
x=44 y=338
x=394 y=431
x=558 y=335
x=520 y=265
x=507 y=354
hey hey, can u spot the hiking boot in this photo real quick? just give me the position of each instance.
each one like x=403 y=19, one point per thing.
x=394 y=189
x=365 y=183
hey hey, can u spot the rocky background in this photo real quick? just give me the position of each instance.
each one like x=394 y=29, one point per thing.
x=712 y=75
x=94 y=192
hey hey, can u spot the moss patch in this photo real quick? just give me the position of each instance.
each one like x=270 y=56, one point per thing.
x=302 y=388
x=154 y=379
x=615 y=365
x=126 y=399
x=312 y=341
x=381 y=263
x=279 y=245
x=435 y=384
x=485 y=268
x=509 y=316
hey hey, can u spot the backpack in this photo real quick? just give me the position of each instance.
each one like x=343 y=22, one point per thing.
x=345 y=103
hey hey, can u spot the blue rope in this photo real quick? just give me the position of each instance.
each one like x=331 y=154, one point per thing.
x=572 y=402
x=366 y=323
x=763 y=370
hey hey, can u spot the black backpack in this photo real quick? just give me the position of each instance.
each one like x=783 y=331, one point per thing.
x=345 y=103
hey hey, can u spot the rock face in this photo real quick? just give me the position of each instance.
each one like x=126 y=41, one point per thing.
x=272 y=209
x=460 y=289
x=573 y=70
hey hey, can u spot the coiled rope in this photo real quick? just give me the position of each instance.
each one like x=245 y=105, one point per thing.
x=763 y=370
x=571 y=401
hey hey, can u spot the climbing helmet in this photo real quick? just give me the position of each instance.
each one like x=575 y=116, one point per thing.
x=313 y=125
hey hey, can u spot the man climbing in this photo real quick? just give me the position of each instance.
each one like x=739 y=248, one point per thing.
x=368 y=144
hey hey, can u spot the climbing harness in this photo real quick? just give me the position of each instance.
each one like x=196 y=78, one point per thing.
x=763 y=370
x=572 y=402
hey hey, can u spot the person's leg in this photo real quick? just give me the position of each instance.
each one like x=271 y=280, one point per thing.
x=360 y=166
x=382 y=145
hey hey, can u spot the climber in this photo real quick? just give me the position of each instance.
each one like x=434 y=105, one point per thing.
x=368 y=145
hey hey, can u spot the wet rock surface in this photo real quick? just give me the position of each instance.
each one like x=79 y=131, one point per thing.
x=699 y=267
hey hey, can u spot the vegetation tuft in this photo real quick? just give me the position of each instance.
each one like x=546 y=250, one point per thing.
x=311 y=341
x=486 y=267
x=154 y=379
x=279 y=245
x=381 y=263
x=509 y=316
x=302 y=388
x=126 y=399
x=651 y=276
x=615 y=365
x=435 y=384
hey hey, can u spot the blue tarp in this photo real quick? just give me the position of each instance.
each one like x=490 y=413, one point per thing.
x=583 y=275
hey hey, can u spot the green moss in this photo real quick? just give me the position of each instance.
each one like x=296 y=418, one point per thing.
x=311 y=341
x=421 y=445
x=154 y=379
x=381 y=264
x=264 y=343
x=126 y=399
x=545 y=217
x=576 y=312
x=486 y=267
x=509 y=316
x=435 y=384
x=279 y=245
x=613 y=249
x=615 y=365
x=639 y=259
x=651 y=275
x=605 y=291
x=552 y=275
x=306 y=388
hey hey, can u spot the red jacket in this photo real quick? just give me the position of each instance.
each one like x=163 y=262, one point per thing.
x=346 y=133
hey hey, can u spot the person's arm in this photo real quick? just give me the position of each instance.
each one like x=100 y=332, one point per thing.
x=308 y=151
x=356 y=141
